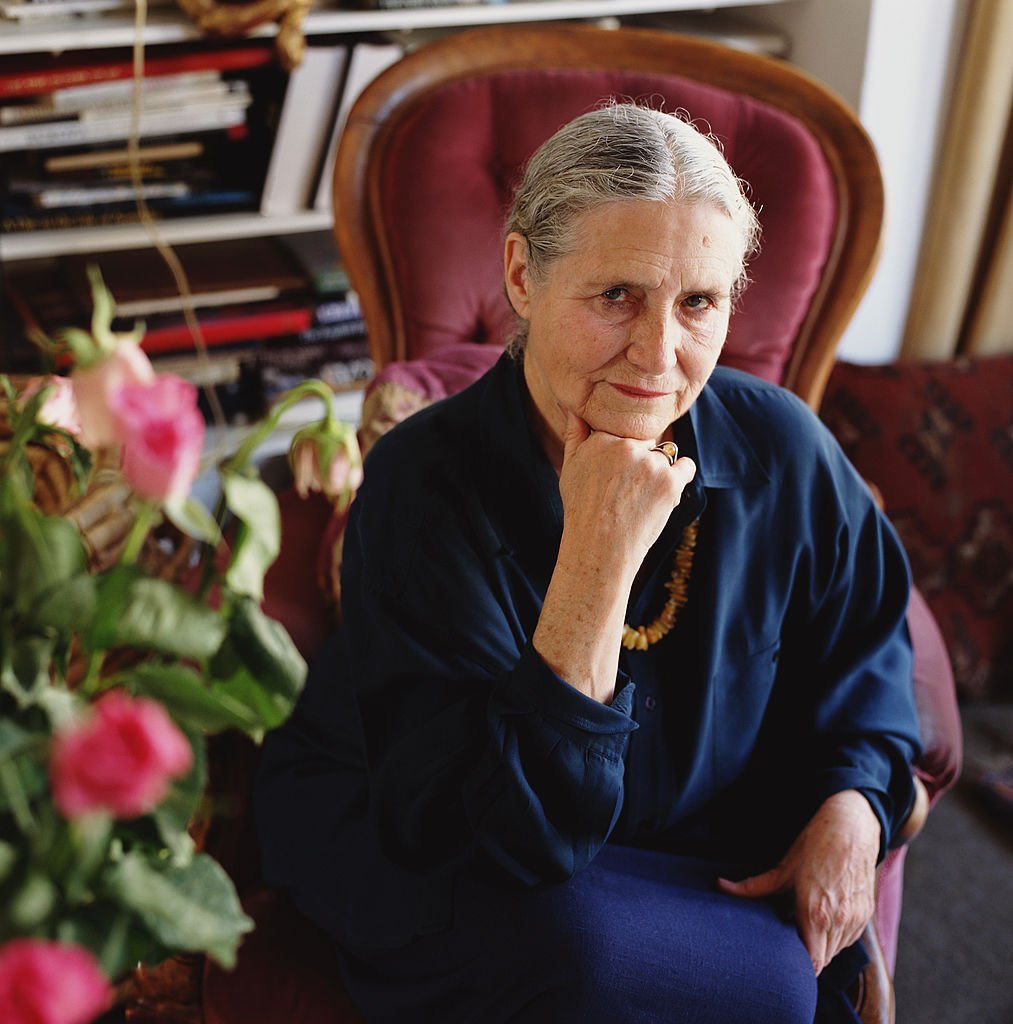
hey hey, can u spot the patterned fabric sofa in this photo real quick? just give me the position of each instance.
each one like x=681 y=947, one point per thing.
x=937 y=439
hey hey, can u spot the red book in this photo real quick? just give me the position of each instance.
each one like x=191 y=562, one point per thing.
x=249 y=325
x=58 y=73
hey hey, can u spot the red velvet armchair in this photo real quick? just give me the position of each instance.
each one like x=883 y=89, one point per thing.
x=428 y=159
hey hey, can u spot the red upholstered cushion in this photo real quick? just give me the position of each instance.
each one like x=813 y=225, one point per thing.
x=454 y=163
x=937 y=439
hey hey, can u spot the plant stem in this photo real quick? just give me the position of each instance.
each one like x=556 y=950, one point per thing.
x=269 y=423
x=90 y=684
x=146 y=512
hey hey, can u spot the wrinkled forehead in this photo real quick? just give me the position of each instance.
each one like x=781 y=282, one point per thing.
x=619 y=230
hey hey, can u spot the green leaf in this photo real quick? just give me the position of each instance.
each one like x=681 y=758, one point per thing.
x=114 y=934
x=267 y=651
x=22 y=772
x=30 y=658
x=32 y=902
x=15 y=741
x=112 y=590
x=190 y=516
x=45 y=553
x=8 y=858
x=88 y=841
x=174 y=814
x=268 y=709
x=68 y=607
x=258 y=538
x=22 y=781
x=193 y=908
x=139 y=611
x=189 y=699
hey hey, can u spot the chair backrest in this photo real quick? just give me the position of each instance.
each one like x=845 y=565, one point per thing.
x=432 y=149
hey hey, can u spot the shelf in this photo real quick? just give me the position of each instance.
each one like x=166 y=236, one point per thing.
x=33 y=244
x=96 y=31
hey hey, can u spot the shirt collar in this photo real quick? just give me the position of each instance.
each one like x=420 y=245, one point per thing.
x=724 y=455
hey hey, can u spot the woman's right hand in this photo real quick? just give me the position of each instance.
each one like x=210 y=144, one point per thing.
x=617 y=496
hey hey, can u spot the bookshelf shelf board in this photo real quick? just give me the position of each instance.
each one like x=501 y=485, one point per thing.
x=95 y=31
x=32 y=244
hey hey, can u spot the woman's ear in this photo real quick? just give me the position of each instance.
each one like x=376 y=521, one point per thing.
x=516 y=280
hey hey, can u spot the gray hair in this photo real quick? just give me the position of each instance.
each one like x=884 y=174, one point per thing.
x=618 y=152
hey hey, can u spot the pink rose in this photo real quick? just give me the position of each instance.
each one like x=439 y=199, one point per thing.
x=59 y=409
x=95 y=386
x=162 y=436
x=120 y=760
x=43 y=982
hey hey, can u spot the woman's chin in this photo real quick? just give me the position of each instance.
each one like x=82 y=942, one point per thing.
x=637 y=428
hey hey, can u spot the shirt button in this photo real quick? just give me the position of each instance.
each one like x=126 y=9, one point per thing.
x=650 y=703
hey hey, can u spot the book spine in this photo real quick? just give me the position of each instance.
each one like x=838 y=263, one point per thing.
x=226 y=330
x=52 y=198
x=31 y=82
x=332 y=311
x=54 y=134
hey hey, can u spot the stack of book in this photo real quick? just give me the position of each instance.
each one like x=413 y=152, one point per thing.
x=36 y=12
x=203 y=116
x=271 y=311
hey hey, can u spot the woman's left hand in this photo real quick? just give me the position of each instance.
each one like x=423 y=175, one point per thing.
x=831 y=869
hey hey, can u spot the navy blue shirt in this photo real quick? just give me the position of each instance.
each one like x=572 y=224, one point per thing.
x=433 y=739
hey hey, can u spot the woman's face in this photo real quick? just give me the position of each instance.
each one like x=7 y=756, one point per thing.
x=625 y=330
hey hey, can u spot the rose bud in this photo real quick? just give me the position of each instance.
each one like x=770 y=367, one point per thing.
x=325 y=457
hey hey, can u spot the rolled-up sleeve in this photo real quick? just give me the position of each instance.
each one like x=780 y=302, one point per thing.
x=475 y=746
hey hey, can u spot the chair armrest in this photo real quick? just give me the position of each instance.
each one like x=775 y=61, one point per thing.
x=873 y=1000
x=917 y=816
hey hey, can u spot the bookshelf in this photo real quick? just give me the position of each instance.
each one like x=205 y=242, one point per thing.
x=169 y=27
x=165 y=27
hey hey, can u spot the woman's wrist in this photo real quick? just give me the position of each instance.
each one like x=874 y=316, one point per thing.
x=579 y=630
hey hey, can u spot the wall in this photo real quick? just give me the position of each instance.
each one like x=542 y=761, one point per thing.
x=894 y=61
x=909 y=75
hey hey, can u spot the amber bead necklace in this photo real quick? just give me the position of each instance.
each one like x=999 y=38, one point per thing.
x=642 y=637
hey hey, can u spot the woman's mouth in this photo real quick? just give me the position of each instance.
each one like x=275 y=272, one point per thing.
x=632 y=392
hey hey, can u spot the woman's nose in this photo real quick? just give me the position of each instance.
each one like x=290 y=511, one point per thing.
x=653 y=345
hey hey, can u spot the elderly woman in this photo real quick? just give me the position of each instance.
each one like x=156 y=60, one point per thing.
x=620 y=628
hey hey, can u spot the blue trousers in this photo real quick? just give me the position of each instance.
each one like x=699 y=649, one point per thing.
x=637 y=937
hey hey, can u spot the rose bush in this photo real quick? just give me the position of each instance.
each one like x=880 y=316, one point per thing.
x=113 y=673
